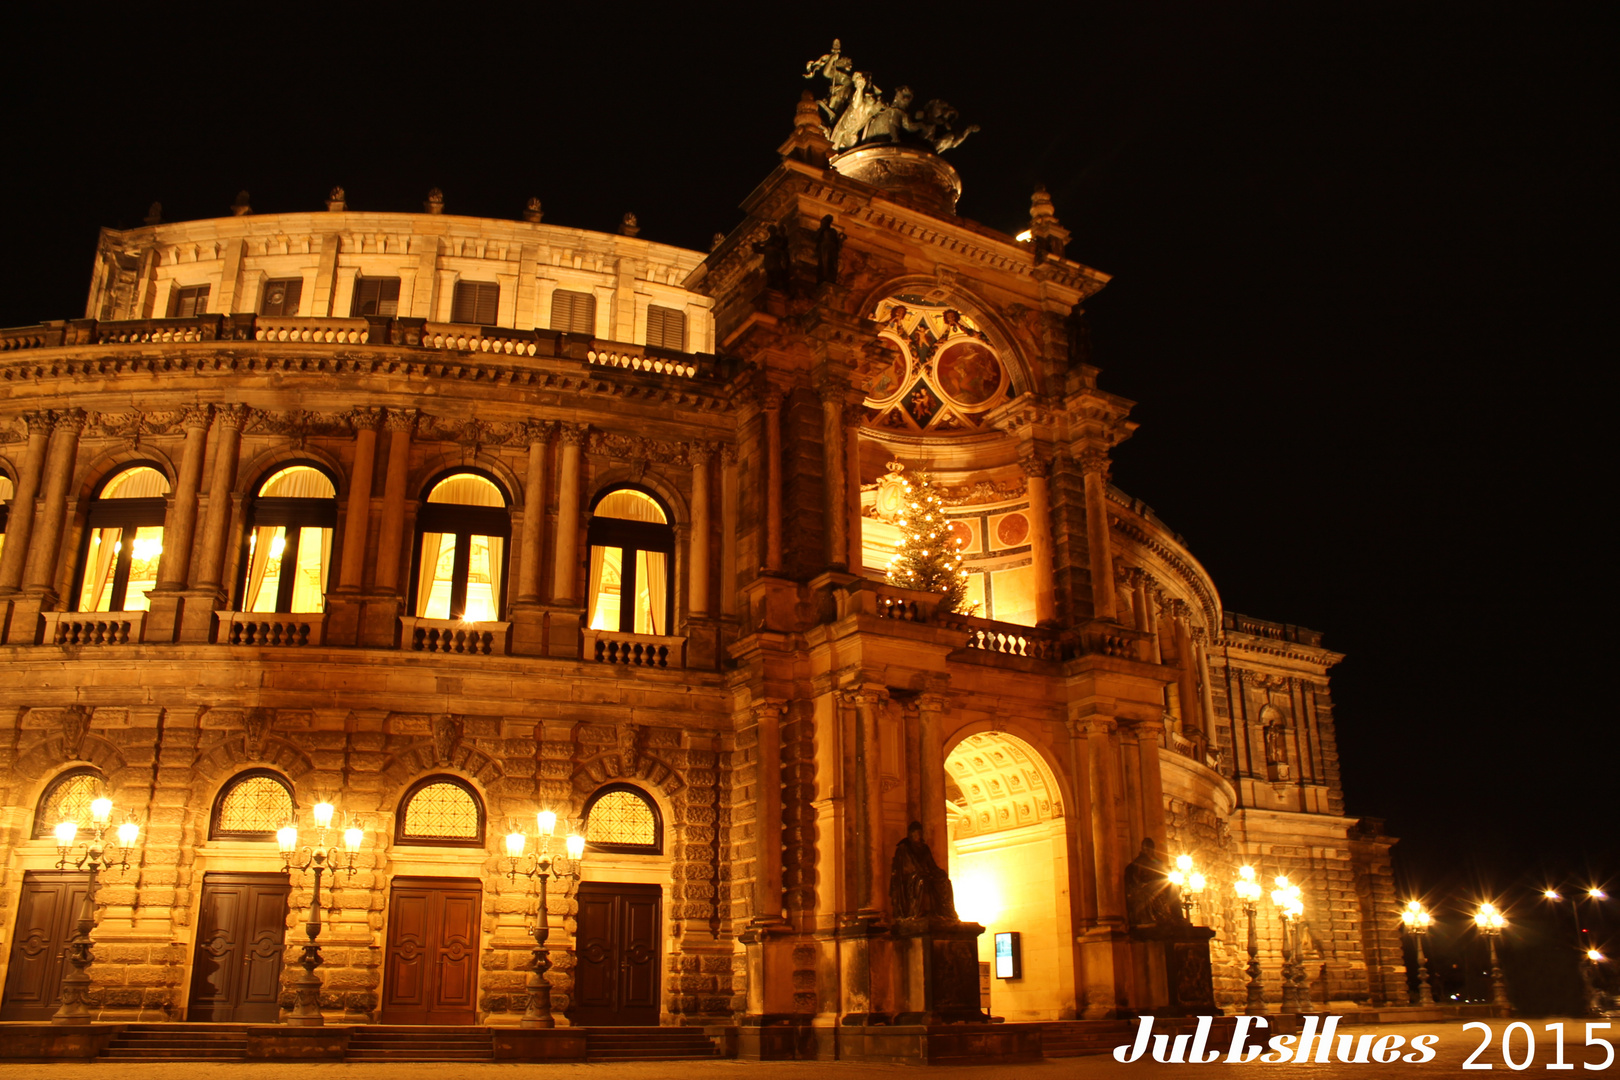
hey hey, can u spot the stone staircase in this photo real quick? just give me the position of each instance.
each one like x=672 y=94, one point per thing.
x=648 y=1044
x=388 y=1043
x=178 y=1042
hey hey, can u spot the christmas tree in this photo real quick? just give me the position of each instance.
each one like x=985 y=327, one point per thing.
x=930 y=555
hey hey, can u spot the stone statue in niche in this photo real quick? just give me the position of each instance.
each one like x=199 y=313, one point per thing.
x=1276 y=744
x=777 y=260
x=829 y=242
x=919 y=887
x=1150 y=899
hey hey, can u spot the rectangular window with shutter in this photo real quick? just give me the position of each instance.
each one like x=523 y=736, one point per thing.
x=476 y=302
x=189 y=301
x=573 y=312
x=281 y=296
x=666 y=328
x=375 y=296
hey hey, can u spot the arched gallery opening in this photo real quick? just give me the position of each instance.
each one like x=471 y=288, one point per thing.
x=1009 y=866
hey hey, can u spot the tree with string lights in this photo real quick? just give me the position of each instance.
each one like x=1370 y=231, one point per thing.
x=930 y=555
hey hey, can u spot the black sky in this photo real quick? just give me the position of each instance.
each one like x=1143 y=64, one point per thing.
x=1357 y=283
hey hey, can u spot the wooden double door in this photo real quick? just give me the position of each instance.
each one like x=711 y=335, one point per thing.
x=47 y=910
x=430 y=967
x=616 y=978
x=241 y=937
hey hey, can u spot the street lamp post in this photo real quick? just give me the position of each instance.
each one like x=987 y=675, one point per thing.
x=75 y=1007
x=1190 y=882
x=1416 y=920
x=1290 y=904
x=306 y=1011
x=1590 y=957
x=1589 y=982
x=1490 y=922
x=542 y=865
x=1248 y=892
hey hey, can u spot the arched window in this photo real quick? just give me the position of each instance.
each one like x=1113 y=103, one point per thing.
x=442 y=810
x=290 y=544
x=632 y=558
x=251 y=806
x=67 y=798
x=622 y=818
x=120 y=559
x=462 y=535
x=6 y=493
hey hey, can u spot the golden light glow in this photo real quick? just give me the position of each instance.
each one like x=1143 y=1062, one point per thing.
x=547 y=821
x=1024 y=237
x=576 y=846
x=100 y=810
x=65 y=832
x=352 y=837
x=1597 y=894
x=978 y=898
x=1594 y=956
x=1184 y=863
x=1414 y=917
x=128 y=832
x=323 y=815
x=1552 y=894
x=287 y=838
x=1488 y=918
x=515 y=843
x=1246 y=873
x=1197 y=882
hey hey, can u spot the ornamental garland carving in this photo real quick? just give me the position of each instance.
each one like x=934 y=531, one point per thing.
x=631 y=448
x=297 y=422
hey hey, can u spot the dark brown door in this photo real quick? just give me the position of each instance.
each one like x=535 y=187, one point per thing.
x=431 y=965
x=241 y=935
x=616 y=981
x=46 y=913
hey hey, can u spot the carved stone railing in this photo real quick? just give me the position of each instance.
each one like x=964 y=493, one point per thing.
x=43 y=336
x=454 y=636
x=1244 y=624
x=1008 y=639
x=312 y=331
x=94 y=627
x=634 y=650
x=266 y=629
x=620 y=357
x=197 y=328
x=469 y=337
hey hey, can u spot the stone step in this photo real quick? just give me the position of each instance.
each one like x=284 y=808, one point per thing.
x=180 y=1044
x=642 y=1055
x=481 y=1045
x=405 y=1054
x=165 y=1053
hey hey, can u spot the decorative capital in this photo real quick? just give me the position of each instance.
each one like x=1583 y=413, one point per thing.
x=1095 y=461
x=1035 y=466
x=728 y=454
x=854 y=415
x=574 y=434
x=770 y=708
x=197 y=416
x=700 y=452
x=771 y=398
x=539 y=431
x=367 y=418
x=69 y=420
x=231 y=416
x=38 y=423
x=932 y=702
x=400 y=420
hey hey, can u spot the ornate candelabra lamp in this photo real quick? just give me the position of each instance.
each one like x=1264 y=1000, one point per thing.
x=92 y=855
x=542 y=866
x=1490 y=922
x=1417 y=920
x=1290 y=905
x=1248 y=893
x=1190 y=882
x=319 y=857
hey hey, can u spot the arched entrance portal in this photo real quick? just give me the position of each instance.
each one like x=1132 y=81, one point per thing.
x=1009 y=865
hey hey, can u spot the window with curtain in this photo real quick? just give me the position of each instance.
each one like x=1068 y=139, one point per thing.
x=289 y=544
x=475 y=302
x=6 y=492
x=574 y=312
x=119 y=563
x=252 y=806
x=441 y=810
x=67 y=798
x=632 y=553
x=621 y=817
x=666 y=328
x=462 y=535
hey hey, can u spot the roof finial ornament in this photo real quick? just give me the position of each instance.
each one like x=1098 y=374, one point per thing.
x=716 y=240
x=628 y=225
x=855 y=112
x=241 y=207
x=1046 y=234
x=154 y=214
x=337 y=200
x=531 y=210
x=435 y=201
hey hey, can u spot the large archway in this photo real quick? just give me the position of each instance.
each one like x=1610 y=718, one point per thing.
x=1009 y=865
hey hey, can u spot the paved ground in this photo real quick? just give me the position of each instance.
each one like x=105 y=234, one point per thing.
x=1453 y=1047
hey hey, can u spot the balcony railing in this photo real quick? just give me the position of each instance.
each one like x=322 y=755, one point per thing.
x=283 y=628
x=454 y=636
x=1007 y=639
x=94 y=627
x=635 y=650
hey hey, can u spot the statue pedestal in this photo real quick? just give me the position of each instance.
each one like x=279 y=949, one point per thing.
x=939 y=971
x=1173 y=974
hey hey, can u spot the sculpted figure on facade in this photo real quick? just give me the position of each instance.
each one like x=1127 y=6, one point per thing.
x=919 y=888
x=856 y=112
x=1150 y=899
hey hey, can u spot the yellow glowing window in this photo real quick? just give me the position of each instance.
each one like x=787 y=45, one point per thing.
x=442 y=811
x=5 y=503
x=124 y=545
x=252 y=807
x=631 y=554
x=290 y=543
x=622 y=819
x=68 y=798
x=461 y=553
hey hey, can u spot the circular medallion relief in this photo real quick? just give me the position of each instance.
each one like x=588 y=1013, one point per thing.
x=1012 y=530
x=962 y=534
x=968 y=372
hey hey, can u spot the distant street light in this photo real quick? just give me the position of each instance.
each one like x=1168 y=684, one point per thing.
x=1591 y=957
x=1490 y=922
x=1248 y=892
x=1417 y=921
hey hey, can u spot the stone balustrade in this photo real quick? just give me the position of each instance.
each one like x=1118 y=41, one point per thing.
x=454 y=636
x=1008 y=639
x=312 y=331
x=281 y=628
x=93 y=627
x=634 y=650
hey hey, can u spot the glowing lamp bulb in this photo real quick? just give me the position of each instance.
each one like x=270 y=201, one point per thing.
x=1246 y=873
x=323 y=815
x=576 y=846
x=128 y=832
x=1594 y=956
x=1184 y=862
x=352 y=837
x=287 y=838
x=547 y=821
x=1282 y=881
x=101 y=810
x=1597 y=894
x=65 y=832
x=277 y=546
x=1197 y=881
x=1177 y=878
x=1552 y=894
x=515 y=843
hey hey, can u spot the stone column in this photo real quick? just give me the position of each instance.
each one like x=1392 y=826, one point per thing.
x=45 y=551
x=1094 y=467
x=728 y=530
x=1151 y=780
x=343 y=602
x=383 y=606
x=20 y=523
x=854 y=416
x=697 y=587
x=164 y=603
x=870 y=889
x=1206 y=697
x=1186 y=670
x=1040 y=538
x=768 y=812
x=772 y=416
x=534 y=513
x=1102 y=761
x=565 y=578
x=931 y=772
x=833 y=476
x=227 y=453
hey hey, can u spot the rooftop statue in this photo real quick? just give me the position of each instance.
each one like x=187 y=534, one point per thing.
x=855 y=111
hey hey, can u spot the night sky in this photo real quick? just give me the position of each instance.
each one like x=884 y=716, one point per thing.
x=1356 y=283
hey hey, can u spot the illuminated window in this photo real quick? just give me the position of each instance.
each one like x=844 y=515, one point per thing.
x=632 y=557
x=622 y=818
x=574 y=312
x=475 y=302
x=252 y=806
x=281 y=296
x=188 y=302
x=666 y=328
x=375 y=296
x=67 y=798
x=289 y=547
x=462 y=535
x=441 y=810
x=5 y=503
x=124 y=542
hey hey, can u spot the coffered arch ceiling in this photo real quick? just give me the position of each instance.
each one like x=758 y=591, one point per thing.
x=995 y=782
